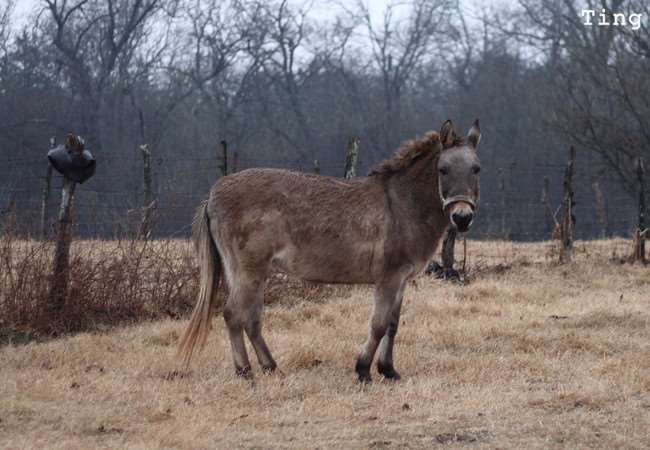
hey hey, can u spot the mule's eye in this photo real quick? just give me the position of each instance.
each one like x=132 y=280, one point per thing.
x=476 y=169
x=443 y=170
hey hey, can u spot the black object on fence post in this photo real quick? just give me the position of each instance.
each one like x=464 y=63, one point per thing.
x=352 y=158
x=45 y=194
x=148 y=199
x=641 y=229
x=568 y=221
x=77 y=165
x=224 y=158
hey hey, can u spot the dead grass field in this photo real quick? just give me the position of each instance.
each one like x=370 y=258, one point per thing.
x=529 y=354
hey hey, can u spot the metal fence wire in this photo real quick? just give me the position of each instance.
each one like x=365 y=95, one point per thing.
x=511 y=204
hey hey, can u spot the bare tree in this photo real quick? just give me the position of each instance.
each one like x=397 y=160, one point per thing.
x=94 y=38
x=399 y=47
x=598 y=76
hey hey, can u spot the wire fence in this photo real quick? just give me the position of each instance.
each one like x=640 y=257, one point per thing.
x=109 y=205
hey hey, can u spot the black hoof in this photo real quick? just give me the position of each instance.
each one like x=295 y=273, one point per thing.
x=364 y=378
x=244 y=372
x=388 y=372
x=363 y=373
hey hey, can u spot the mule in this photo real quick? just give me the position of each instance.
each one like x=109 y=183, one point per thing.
x=381 y=229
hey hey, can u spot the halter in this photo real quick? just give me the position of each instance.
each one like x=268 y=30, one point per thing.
x=458 y=198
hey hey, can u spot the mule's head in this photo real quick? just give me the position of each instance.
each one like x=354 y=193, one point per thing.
x=458 y=175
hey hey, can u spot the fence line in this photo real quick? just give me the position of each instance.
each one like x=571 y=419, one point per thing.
x=511 y=211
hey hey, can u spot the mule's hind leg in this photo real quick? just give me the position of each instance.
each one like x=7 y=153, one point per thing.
x=253 y=327
x=234 y=323
x=387 y=295
x=243 y=312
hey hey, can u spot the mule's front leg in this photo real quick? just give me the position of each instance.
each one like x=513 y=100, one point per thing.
x=387 y=295
x=385 y=360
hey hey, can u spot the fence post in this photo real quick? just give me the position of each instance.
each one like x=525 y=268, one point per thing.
x=224 y=158
x=61 y=272
x=448 y=247
x=148 y=200
x=352 y=158
x=568 y=221
x=45 y=194
x=641 y=229
x=316 y=167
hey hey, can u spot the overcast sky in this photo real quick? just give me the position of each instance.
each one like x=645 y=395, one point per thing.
x=320 y=9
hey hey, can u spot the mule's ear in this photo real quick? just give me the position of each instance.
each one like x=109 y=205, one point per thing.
x=447 y=134
x=474 y=135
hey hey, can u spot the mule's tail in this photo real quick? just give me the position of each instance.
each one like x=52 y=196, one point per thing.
x=210 y=274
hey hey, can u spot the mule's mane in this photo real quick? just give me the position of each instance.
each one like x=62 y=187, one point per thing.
x=408 y=153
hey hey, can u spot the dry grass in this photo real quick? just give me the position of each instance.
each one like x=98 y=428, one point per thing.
x=528 y=355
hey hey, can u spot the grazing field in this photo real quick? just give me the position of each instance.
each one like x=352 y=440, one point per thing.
x=526 y=354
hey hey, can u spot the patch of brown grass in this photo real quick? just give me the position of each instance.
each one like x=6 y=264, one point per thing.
x=537 y=356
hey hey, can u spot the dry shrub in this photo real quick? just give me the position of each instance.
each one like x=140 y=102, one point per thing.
x=111 y=282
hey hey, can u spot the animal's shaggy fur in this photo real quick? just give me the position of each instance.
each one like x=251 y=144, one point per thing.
x=408 y=153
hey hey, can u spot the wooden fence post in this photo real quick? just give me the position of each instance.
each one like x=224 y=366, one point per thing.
x=61 y=272
x=148 y=199
x=224 y=158
x=316 y=167
x=448 y=248
x=640 y=234
x=352 y=158
x=568 y=221
x=45 y=194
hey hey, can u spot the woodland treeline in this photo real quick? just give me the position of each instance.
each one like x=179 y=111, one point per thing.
x=286 y=83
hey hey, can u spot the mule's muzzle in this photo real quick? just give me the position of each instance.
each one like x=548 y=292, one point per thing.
x=462 y=219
